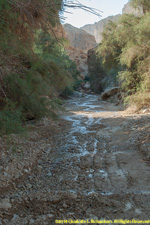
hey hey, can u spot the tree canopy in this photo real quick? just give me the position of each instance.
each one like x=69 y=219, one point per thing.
x=126 y=46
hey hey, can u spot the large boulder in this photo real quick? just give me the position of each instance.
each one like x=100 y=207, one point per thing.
x=109 y=92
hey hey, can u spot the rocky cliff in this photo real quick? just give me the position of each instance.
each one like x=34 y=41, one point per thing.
x=96 y=29
x=128 y=9
x=79 y=38
x=80 y=58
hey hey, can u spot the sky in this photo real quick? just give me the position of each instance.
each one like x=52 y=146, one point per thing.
x=79 y=18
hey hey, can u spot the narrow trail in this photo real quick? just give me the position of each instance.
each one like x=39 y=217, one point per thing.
x=97 y=167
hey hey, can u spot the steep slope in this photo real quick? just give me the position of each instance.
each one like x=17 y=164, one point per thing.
x=128 y=9
x=96 y=29
x=80 y=58
x=79 y=38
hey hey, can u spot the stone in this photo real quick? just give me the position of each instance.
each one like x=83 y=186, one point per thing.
x=77 y=94
x=15 y=217
x=85 y=162
x=32 y=221
x=93 y=217
x=73 y=195
x=87 y=85
x=70 y=213
x=109 y=92
x=50 y=215
x=29 y=186
x=17 y=175
x=138 y=211
x=5 y=204
x=98 y=161
x=64 y=205
x=146 y=110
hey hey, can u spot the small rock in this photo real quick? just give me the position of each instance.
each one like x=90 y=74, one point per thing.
x=93 y=217
x=15 y=217
x=5 y=204
x=98 y=161
x=128 y=206
x=26 y=171
x=49 y=174
x=64 y=205
x=87 y=85
x=29 y=186
x=138 y=211
x=146 y=111
x=70 y=213
x=32 y=221
x=73 y=195
x=17 y=175
x=77 y=94
x=50 y=215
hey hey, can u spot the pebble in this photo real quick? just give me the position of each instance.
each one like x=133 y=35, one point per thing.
x=15 y=217
x=70 y=213
x=17 y=175
x=138 y=211
x=29 y=186
x=73 y=195
x=50 y=215
x=64 y=205
x=32 y=221
x=49 y=174
x=5 y=204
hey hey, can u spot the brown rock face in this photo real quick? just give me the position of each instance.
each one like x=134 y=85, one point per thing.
x=80 y=58
x=79 y=38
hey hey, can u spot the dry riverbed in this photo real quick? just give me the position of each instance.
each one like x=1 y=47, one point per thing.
x=94 y=163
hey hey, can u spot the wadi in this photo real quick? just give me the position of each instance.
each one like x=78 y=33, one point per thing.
x=74 y=115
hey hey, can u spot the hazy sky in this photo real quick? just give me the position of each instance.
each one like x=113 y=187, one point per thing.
x=79 y=18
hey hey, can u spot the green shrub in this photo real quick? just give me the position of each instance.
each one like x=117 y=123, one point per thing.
x=11 y=120
x=125 y=48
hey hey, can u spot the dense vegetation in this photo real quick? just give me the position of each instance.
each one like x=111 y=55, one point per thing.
x=126 y=48
x=34 y=68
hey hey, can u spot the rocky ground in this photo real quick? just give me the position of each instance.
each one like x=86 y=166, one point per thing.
x=93 y=163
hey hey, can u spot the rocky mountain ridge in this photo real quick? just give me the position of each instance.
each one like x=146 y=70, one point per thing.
x=79 y=38
x=85 y=38
x=96 y=29
x=128 y=9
